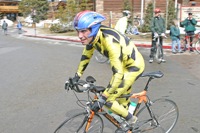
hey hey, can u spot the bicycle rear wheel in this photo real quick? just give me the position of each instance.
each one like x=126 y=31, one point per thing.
x=158 y=54
x=100 y=58
x=164 y=117
x=77 y=124
x=183 y=44
x=197 y=46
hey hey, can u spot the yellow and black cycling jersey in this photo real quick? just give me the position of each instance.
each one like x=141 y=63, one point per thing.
x=123 y=55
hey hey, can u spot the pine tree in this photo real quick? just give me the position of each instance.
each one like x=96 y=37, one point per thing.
x=147 y=19
x=127 y=6
x=171 y=14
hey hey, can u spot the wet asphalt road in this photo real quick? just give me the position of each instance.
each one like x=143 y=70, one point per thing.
x=33 y=73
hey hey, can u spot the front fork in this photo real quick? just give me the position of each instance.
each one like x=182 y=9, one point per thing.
x=87 y=119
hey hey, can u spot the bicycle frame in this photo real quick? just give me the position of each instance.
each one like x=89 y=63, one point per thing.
x=186 y=38
x=142 y=98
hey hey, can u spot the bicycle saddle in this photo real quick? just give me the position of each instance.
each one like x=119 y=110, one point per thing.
x=156 y=74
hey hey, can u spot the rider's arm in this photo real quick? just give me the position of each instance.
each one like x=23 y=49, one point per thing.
x=85 y=59
x=152 y=26
x=173 y=32
x=193 y=21
x=184 y=22
x=164 y=28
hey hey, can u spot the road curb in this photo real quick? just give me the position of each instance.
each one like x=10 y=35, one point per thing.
x=76 y=40
x=54 y=38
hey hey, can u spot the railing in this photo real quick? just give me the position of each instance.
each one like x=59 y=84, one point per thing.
x=9 y=0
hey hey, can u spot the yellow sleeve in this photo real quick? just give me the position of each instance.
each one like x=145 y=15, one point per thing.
x=85 y=59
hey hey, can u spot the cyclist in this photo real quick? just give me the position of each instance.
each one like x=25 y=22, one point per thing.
x=189 y=24
x=157 y=28
x=126 y=61
x=122 y=23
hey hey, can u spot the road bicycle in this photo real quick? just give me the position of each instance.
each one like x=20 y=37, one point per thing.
x=157 y=116
x=138 y=21
x=100 y=58
x=158 y=53
x=196 y=42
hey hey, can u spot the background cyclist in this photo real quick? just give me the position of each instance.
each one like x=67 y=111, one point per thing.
x=122 y=23
x=157 y=28
x=189 y=24
x=126 y=61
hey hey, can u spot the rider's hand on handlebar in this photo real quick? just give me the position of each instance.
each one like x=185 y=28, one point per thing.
x=155 y=34
x=75 y=78
x=163 y=34
x=98 y=104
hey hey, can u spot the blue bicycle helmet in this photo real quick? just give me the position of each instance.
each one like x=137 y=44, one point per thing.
x=88 y=19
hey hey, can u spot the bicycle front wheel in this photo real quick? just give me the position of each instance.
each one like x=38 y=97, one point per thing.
x=162 y=119
x=77 y=124
x=100 y=58
x=197 y=46
x=158 y=54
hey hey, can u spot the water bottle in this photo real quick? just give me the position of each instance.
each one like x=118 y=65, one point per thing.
x=132 y=107
x=117 y=117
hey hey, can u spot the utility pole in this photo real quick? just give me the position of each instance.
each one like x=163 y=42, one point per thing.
x=166 y=12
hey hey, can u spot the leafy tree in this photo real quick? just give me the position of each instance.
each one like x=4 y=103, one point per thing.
x=67 y=13
x=27 y=7
x=147 y=19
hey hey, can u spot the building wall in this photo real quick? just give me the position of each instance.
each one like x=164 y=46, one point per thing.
x=112 y=9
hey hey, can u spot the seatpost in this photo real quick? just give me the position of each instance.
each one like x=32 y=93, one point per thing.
x=147 y=84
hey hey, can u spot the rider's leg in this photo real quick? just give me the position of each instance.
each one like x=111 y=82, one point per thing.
x=132 y=72
x=173 y=46
x=191 y=41
x=153 y=47
x=161 y=46
x=179 y=45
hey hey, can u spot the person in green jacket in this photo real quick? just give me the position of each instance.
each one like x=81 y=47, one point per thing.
x=175 y=36
x=189 y=24
x=158 y=29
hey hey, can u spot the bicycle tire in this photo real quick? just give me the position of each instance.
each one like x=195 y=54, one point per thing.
x=197 y=46
x=166 y=113
x=72 y=124
x=158 y=54
x=100 y=58
x=137 y=22
x=183 y=45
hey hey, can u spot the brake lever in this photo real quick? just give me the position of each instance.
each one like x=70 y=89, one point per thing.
x=67 y=86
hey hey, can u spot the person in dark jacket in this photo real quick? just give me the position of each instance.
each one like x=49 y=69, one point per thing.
x=175 y=36
x=5 y=27
x=189 y=24
x=157 y=28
